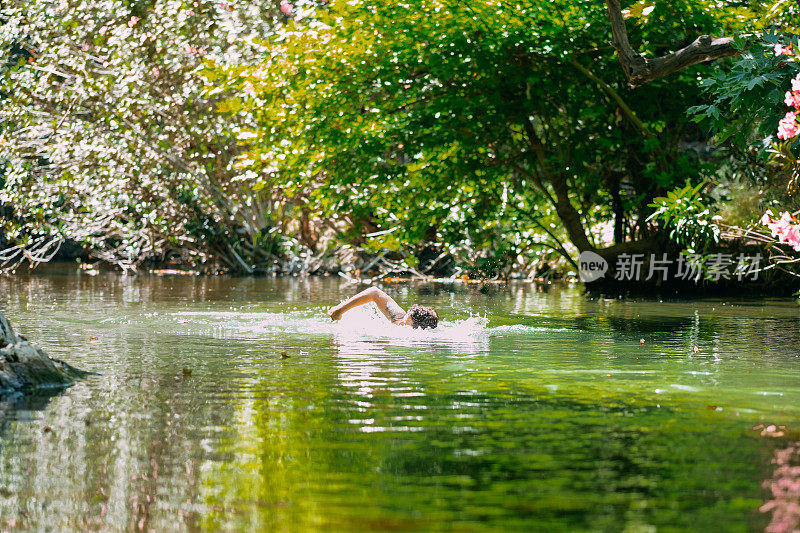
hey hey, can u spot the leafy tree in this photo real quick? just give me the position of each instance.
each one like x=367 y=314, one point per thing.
x=442 y=120
x=752 y=112
x=497 y=134
x=110 y=141
x=752 y=98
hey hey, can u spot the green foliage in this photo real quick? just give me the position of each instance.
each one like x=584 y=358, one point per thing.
x=784 y=157
x=747 y=103
x=748 y=97
x=495 y=133
x=108 y=137
x=456 y=124
x=688 y=219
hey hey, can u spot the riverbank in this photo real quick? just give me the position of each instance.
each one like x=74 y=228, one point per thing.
x=774 y=285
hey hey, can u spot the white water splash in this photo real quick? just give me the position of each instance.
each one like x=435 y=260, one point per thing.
x=365 y=323
x=360 y=325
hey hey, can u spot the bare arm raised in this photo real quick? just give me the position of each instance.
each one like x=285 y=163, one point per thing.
x=385 y=303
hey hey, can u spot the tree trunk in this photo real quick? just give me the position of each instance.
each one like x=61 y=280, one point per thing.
x=569 y=215
x=308 y=233
x=577 y=234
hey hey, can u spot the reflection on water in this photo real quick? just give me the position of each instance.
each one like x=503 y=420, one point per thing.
x=235 y=403
x=783 y=486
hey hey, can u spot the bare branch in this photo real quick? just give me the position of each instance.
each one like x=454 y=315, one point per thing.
x=640 y=70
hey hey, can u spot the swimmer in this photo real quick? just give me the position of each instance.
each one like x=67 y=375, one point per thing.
x=418 y=316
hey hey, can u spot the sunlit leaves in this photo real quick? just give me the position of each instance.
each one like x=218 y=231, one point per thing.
x=220 y=121
x=424 y=115
x=113 y=142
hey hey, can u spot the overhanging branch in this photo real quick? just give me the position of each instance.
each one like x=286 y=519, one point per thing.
x=640 y=70
x=624 y=107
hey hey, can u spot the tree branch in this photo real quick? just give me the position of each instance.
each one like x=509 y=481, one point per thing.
x=640 y=70
x=624 y=107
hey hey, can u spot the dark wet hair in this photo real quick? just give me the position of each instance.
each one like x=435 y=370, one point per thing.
x=423 y=317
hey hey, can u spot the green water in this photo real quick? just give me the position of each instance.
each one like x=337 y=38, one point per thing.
x=547 y=414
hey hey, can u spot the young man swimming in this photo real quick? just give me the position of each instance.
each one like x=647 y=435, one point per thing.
x=418 y=316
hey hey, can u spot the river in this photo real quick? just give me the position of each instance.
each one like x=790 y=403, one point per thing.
x=234 y=403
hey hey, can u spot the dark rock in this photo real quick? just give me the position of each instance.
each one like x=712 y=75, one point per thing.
x=25 y=367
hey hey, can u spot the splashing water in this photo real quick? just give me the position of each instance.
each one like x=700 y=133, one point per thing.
x=363 y=323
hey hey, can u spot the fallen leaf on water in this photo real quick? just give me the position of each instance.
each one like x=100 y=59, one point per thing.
x=711 y=407
x=91 y=339
x=641 y=341
x=187 y=372
x=284 y=355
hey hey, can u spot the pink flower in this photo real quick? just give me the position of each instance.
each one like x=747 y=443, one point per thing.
x=781 y=50
x=766 y=218
x=792 y=99
x=793 y=235
x=781 y=228
x=286 y=7
x=788 y=126
x=796 y=82
x=133 y=21
x=785 y=230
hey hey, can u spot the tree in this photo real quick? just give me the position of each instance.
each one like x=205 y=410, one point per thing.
x=753 y=109
x=215 y=131
x=110 y=142
x=431 y=119
x=640 y=70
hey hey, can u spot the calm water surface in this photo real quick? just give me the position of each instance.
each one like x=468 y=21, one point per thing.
x=531 y=408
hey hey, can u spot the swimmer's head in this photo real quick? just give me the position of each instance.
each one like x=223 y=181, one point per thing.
x=422 y=317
